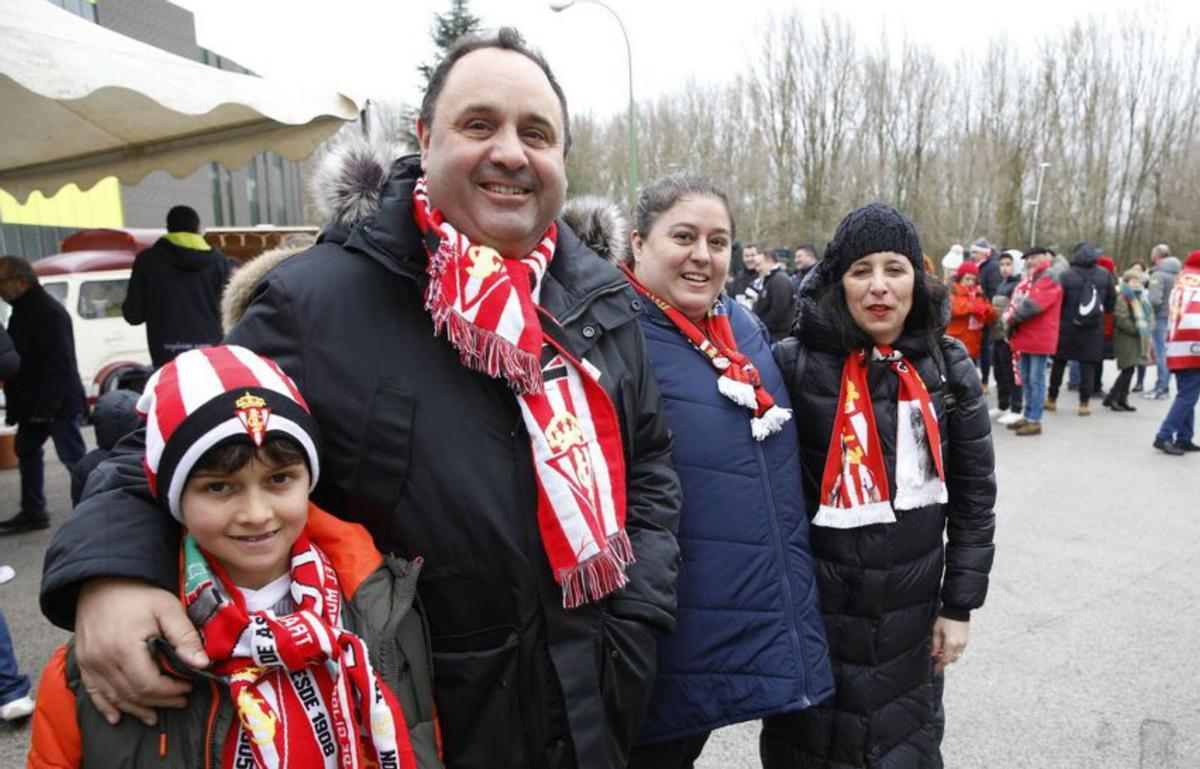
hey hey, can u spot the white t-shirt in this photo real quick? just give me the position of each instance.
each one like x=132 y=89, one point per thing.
x=275 y=596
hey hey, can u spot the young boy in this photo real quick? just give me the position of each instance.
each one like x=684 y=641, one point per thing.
x=317 y=645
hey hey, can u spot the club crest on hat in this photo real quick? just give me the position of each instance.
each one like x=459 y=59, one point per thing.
x=254 y=414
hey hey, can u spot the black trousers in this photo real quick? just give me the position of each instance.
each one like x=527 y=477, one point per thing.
x=1120 y=389
x=1089 y=374
x=1008 y=392
x=672 y=754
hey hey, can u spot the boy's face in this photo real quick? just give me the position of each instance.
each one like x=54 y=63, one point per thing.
x=968 y=280
x=1006 y=266
x=248 y=519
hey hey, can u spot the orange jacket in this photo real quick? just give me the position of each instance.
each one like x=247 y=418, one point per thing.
x=57 y=741
x=970 y=314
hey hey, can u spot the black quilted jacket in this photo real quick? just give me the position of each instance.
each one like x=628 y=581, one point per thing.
x=882 y=586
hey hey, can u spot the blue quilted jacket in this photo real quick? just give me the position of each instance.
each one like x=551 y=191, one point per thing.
x=749 y=640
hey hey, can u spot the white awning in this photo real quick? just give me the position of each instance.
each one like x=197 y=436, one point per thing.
x=79 y=102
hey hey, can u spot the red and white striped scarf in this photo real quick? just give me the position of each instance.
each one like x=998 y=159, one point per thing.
x=487 y=307
x=854 y=486
x=303 y=687
x=737 y=378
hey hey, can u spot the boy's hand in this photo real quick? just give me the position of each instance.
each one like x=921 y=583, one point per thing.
x=113 y=619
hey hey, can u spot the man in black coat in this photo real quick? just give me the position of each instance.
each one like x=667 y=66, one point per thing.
x=45 y=397
x=175 y=289
x=1089 y=292
x=431 y=456
x=776 y=303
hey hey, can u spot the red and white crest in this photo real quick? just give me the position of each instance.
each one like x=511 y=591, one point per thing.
x=255 y=416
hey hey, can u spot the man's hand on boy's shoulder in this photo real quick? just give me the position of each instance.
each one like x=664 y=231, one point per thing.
x=113 y=619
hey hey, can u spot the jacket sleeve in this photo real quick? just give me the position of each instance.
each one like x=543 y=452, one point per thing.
x=10 y=361
x=58 y=375
x=117 y=530
x=56 y=742
x=772 y=307
x=1041 y=295
x=134 y=307
x=971 y=486
x=1110 y=291
x=654 y=499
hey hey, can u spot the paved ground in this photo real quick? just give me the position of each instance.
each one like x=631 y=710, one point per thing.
x=1087 y=654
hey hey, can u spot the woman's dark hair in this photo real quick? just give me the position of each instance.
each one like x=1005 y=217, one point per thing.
x=227 y=458
x=658 y=197
x=923 y=318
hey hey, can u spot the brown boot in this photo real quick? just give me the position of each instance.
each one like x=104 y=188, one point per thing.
x=1030 y=428
x=1050 y=405
x=1085 y=410
x=1018 y=424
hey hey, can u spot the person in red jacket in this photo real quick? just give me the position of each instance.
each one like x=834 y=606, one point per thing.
x=1183 y=360
x=1032 y=322
x=970 y=310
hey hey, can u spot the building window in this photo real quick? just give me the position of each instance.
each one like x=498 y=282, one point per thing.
x=83 y=8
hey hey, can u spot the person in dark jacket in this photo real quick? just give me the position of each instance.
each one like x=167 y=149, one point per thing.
x=45 y=397
x=175 y=289
x=987 y=259
x=896 y=454
x=749 y=641
x=1008 y=389
x=114 y=417
x=776 y=303
x=1089 y=291
x=534 y=664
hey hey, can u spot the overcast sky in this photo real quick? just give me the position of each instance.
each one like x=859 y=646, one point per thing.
x=372 y=47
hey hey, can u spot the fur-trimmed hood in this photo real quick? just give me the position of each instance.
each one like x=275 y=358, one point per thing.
x=346 y=187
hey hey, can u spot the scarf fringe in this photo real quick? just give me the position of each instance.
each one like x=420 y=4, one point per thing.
x=853 y=517
x=769 y=423
x=599 y=575
x=932 y=492
x=488 y=352
x=741 y=393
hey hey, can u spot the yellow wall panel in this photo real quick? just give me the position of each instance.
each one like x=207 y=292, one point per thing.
x=98 y=207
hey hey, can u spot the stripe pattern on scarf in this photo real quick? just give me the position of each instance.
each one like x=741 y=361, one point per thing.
x=303 y=687
x=486 y=306
x=737 y=378
x=854 y=487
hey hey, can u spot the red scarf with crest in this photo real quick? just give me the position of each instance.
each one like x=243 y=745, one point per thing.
x=854 y=486
x=487 y=307
x=737 y=378
x=303 y=687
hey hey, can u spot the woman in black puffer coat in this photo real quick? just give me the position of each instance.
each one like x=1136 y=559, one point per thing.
x=895 y=600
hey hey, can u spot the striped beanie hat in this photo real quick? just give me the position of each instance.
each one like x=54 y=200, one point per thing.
x=214 y=396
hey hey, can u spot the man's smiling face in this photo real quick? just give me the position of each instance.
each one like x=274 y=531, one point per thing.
x=494 y=155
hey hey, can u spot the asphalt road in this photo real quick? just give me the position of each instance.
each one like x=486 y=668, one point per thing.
x=1086 y=656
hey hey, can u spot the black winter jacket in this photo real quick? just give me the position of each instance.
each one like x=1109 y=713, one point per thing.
x=1084 y=341
x=434 y=460
x=9 y=360
x=176 y=292
x=776 y=306
x=47 y=384
x=883 y=586
x=114 y=417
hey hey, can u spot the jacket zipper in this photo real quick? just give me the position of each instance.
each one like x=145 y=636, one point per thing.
x=784 y=578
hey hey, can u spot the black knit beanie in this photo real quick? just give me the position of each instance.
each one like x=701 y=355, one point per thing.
x=870 y=229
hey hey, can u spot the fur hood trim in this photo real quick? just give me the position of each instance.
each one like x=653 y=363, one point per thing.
x=601 y=226
x=245 y=279
x=349 y=177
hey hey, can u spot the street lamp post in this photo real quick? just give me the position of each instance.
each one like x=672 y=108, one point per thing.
x=558 y=7
x=1037 y=203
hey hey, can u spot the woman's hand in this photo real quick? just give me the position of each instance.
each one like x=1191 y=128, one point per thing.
x=949 y=642
x=113 y=619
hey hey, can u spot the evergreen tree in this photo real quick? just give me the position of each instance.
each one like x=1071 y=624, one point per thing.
x=447 y=29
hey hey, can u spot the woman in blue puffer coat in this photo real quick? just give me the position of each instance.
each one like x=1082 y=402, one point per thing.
x=749 y=640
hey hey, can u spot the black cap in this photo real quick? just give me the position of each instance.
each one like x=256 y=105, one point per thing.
x=870 y=229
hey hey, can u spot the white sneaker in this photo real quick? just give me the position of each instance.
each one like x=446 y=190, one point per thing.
x=18 y=708
x=6 y=573
x=995 y=413
x=1008 y=418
